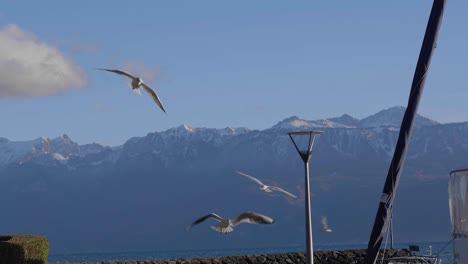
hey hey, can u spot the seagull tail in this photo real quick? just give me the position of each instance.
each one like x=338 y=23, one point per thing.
x=137 y=90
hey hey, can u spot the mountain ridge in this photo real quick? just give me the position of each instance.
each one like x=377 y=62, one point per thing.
x=61 y=150
x=384 y=118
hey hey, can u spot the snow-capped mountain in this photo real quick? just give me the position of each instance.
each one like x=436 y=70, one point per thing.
x=346 y=135
x=390 y=117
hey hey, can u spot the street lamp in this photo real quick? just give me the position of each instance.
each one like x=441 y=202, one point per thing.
x=305 y=151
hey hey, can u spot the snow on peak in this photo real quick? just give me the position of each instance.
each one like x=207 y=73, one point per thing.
x=157 y=141
x=233 y=130
x=295 y=123
x=58 y=156
x=187 y=128
x=182 y=129
x=345 y=120
x=60 y=148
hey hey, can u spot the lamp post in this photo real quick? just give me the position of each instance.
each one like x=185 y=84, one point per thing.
x=306 y=153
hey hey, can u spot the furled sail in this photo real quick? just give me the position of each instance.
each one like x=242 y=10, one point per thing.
x=383 y=215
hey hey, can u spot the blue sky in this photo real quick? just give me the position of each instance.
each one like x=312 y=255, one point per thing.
x=220 y=63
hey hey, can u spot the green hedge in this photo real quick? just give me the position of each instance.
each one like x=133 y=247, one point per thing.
x=23 y=249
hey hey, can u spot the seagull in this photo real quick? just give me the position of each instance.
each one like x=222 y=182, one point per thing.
x=265 y=187
x=325 y=227
x=226 y=225
x=136 y=83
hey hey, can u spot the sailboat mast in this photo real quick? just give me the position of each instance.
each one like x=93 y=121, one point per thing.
x=383 y=215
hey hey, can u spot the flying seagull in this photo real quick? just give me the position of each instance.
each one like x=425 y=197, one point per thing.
x=226 y=225
x=265 y=187
x=136 y=83
x=325 y=227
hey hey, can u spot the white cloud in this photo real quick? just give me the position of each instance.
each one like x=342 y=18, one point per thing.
x=30 y=67
x=141 y=70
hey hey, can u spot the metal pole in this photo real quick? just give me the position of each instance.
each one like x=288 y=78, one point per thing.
x=391 y=230
x=305 y=156
x=309 y=243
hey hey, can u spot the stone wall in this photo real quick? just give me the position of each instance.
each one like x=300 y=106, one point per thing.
x=320 y=257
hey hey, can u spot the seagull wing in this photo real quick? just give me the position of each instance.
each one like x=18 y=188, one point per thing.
x=251 y=218
x=324 y=223
x=251 y=177
x=283 y=191
x=119 y=72
x=203 y=218
x=154 y=95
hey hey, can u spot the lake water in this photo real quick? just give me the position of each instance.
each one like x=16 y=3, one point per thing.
x=444 y=249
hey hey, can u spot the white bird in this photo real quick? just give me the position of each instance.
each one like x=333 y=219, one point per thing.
x=226 y=225
x=136 y=83
x=266 y=188
x=325 y=227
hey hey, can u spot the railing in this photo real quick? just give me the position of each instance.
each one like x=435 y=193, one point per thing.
x=414 y=260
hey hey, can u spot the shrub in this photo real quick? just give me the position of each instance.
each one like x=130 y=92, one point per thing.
x=23 y=249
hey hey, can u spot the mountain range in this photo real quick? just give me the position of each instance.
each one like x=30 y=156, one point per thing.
x=141 y=195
